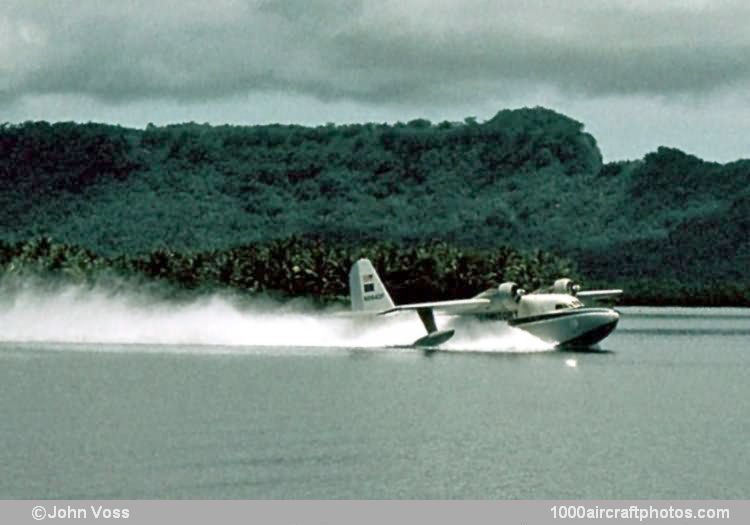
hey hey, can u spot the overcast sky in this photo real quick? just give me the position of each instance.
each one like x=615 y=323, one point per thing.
x=637 y=73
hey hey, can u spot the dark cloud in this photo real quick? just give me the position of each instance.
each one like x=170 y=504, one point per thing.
x=370 y=51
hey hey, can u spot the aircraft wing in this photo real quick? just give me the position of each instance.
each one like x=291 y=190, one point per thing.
x=598 y=296
x=459 y=306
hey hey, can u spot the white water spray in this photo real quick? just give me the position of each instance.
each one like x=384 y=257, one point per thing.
x=109 y=315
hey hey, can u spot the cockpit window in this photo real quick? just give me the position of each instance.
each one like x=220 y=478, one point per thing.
x=575 y=303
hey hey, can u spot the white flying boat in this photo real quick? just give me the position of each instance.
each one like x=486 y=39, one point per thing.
x=561 y=314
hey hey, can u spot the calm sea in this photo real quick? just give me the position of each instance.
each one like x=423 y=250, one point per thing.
x=663 y=412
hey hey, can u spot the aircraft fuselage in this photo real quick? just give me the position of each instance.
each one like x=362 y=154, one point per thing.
x=574 y=327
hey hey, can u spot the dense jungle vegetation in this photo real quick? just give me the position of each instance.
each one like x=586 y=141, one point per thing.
x=669 y=228
x=291 y=267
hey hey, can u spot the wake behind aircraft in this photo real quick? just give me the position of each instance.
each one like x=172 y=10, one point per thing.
x=561 y=314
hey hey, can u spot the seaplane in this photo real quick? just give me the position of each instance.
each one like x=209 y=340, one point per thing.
x=561 y=314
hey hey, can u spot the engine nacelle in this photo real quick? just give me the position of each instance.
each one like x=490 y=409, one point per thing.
x=566 y=286
x=509 y=295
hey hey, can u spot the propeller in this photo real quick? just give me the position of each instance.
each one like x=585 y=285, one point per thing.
x=566 y=286
x=510 y=294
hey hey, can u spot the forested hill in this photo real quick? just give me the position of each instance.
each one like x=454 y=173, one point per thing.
x=530 y=178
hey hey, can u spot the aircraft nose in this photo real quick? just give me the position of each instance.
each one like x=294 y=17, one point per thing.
x=612 y=319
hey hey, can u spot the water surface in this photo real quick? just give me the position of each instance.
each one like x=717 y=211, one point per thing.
x=662 y=413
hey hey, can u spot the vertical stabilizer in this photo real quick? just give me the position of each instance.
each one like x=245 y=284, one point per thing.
x=366 y=290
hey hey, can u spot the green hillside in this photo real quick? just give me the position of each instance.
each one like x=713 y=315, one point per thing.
x=528 y=178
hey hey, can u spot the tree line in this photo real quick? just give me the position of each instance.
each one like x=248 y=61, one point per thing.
x=294 y=267
x=531 y=178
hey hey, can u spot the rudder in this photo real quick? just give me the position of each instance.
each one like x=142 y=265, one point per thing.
x=366 y=290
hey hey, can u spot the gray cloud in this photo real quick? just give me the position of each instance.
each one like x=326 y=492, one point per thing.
x=372 y=52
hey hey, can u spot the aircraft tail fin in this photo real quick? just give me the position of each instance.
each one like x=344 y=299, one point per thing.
x=366 y=290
